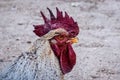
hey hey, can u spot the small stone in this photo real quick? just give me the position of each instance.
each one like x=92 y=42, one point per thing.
x=17 y=39
x=75 y=4
x=29 y=42
x=20 y=23
x=94 y=76
x=1 y=60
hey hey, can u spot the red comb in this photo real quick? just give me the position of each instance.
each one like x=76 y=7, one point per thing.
x=59 y=21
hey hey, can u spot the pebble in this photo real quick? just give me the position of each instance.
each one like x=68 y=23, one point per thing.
x=75 y=4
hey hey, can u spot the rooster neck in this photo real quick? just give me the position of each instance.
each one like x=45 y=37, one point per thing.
x=48 y=62
x=39 y=63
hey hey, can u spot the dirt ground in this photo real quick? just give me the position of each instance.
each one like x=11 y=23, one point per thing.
x=98 y=49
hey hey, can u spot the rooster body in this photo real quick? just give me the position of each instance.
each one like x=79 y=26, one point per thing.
x=39 y=63
x=51 y=56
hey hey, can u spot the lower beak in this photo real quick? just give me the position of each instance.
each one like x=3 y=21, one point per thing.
x=73 y=40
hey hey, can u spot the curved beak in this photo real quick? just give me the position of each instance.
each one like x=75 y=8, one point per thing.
x=73 y=40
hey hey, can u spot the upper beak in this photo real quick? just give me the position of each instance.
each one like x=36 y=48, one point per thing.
x=73 y=40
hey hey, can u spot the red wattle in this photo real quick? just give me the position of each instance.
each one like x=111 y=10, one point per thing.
x=67 y=59
x=66 y=56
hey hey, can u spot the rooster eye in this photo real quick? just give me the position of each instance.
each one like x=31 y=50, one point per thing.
x=60 y=37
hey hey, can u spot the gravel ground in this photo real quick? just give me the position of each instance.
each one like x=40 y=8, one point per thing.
x=98 y=49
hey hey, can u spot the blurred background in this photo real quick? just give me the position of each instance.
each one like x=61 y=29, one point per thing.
x=98 y=49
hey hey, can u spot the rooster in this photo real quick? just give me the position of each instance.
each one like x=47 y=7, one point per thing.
x=52 y=55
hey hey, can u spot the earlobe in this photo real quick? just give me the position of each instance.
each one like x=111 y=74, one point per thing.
x=53 y=41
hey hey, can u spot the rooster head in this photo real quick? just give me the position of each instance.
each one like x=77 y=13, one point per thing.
x=60 y=43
